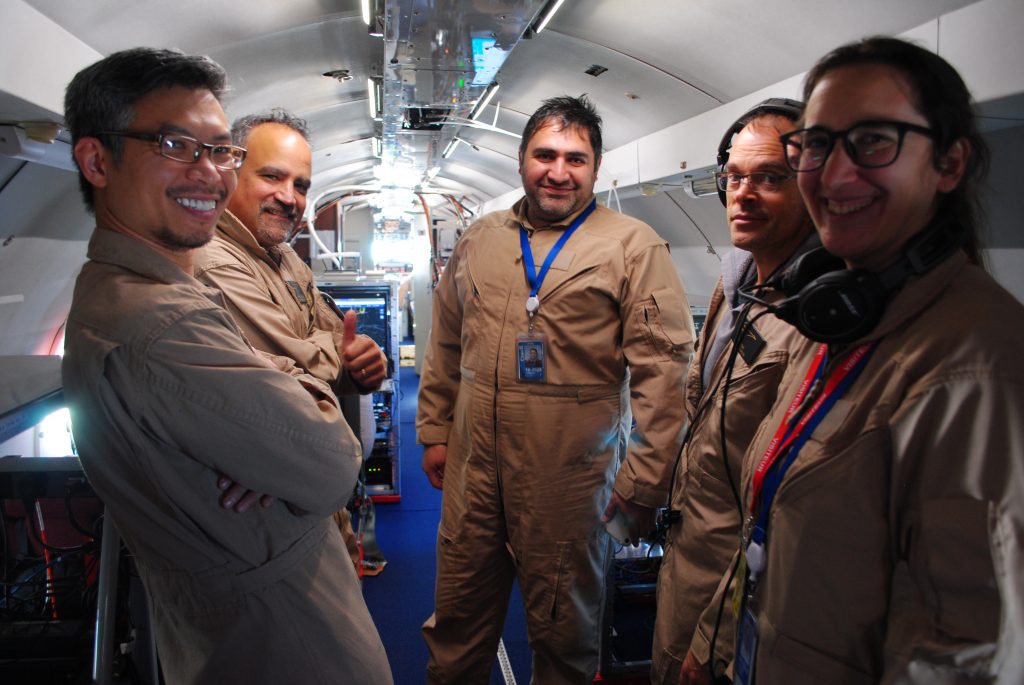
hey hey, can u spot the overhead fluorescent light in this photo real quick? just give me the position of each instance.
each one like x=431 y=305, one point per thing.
x=373 y=14
x=547 y=17
x=484 y=101
x=374 y=88
x=451 y=148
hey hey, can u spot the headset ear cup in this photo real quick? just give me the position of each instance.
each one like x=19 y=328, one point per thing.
x=805 y=269
x=841 y=306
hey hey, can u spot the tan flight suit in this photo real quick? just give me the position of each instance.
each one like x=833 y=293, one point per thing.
x=530 y=466
x=272 y=296
x=700 y=546
x=894 y=546
x=165 y=394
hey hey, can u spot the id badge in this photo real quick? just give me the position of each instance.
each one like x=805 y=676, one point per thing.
x=746 y=648
x=531 y=358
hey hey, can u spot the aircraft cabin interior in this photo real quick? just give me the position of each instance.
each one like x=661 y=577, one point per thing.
x=416 y=110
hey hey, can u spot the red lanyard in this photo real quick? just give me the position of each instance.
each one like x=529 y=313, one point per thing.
x=785 y=434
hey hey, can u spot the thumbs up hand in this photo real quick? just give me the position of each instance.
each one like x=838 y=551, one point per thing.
x=361 y=357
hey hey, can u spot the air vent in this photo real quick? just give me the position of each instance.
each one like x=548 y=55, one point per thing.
x=341 y=75
x=702 y=187
x=425 y=118
x=596 y=70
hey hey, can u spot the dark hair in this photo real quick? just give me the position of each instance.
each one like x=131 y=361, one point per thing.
x=102 y=96
x=570 y=112
x=243 y=126
x=940 y=95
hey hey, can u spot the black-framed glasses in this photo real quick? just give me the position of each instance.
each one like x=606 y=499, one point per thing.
x=869 y=144
x=759 y=181
x=186 y=149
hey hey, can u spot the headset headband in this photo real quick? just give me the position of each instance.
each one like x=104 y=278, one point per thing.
x=791 y=109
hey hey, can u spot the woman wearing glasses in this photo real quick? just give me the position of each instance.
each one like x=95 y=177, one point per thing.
x=886 y=489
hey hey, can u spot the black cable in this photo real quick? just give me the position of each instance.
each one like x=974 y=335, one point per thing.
x=37 y=535
x=725 y=377
x=10 y=178
x=71 y=516
x=743 y=325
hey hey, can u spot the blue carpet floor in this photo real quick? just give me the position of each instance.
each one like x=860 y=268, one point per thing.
x=402 y=597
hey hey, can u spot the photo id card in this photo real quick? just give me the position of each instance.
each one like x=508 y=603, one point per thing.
x=746 y=649
x=531 y=359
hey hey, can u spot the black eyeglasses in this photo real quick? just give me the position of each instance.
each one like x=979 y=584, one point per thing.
x=759 y=181
x=186 y=149
x=869 y=144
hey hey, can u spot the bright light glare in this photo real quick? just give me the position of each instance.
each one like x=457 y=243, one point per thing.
x=372 y=94
x=413 y=250
x=55 y=434
x=479 y=109
x=550 y=14
x=366 y=12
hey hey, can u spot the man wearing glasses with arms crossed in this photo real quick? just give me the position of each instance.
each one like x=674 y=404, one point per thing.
x=165 y=395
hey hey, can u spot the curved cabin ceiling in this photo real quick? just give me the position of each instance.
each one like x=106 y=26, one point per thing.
x=668 y=76
x=665 y=61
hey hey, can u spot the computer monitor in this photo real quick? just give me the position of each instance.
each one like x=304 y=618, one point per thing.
x=371 y=307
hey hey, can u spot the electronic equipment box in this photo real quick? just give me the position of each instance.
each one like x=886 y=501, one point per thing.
x=376 y=304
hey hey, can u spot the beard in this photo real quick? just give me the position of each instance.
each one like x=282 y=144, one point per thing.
x=177 y=242
x=274 y=225
x=551 y=209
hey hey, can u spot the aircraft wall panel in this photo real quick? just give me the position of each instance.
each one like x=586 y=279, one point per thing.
x=38 y=57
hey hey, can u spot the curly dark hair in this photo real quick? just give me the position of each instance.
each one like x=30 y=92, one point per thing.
x=570 y=112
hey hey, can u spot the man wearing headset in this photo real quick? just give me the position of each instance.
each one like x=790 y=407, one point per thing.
x=730 y=387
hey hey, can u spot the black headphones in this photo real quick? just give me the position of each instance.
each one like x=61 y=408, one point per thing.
x=791 y=109
x=829 y=303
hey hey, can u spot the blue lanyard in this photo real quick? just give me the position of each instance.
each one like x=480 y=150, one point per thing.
x=532 y=277
x=773 y=479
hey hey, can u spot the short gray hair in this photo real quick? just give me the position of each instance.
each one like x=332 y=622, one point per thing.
x=243 y=126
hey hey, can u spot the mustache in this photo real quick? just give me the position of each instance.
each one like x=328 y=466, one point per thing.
x=198 y=189
x=278 y=208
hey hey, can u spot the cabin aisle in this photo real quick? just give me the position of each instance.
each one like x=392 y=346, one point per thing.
x=402 y=596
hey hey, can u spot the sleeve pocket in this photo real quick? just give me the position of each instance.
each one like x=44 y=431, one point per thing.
x=673 y=321
x=954 y=565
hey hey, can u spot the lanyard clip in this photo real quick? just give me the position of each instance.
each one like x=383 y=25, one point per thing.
x=756 y=560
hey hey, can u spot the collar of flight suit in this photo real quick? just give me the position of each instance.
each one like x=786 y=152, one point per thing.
x=231 y=228
x=118 y=249
x=916 y=295
x=518 y=216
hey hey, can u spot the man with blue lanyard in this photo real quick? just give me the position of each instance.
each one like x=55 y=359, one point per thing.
x=532 y=457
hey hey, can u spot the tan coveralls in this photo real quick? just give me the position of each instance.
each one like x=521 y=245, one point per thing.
x=701 y=545
x=894 y=544
x=165 y=394
x=530 y=466
x=273 y=298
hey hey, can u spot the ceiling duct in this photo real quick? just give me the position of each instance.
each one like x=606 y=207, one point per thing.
x=425 y=118
x=440 y=61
